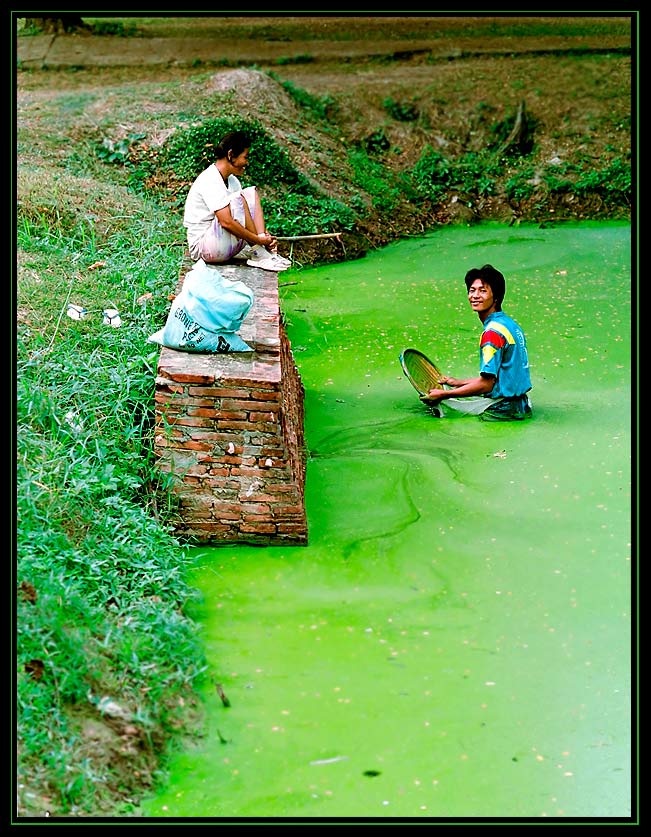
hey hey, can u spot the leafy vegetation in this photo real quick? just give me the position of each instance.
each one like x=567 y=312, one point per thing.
x=296 y=214
x=401 y=111
x=475 y=175
x=294 y=205
x=320 y=107
x=297 y=205
x=102 y=629
x=373 y=177
x=189 y=151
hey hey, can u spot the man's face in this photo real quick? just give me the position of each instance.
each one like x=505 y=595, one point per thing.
x=480 y=297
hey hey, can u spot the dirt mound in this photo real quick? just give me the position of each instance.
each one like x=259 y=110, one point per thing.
x=261 y=97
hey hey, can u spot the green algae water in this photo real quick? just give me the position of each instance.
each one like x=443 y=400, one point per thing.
x=455 y=640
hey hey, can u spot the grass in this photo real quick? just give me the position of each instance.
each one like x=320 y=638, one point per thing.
x=102 y=596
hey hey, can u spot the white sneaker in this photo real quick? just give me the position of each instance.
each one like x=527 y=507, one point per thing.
x=282 y=259
x=269 y=261
x=247 y=252
x=260 y=252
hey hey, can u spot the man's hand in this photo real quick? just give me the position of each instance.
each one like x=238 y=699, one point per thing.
x=433 y=396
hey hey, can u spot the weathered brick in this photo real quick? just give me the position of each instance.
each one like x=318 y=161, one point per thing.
x=219 y=392
x=222 y=418
x=193 y=444
x=297 y=529
x=289 y=512
x=258 y=528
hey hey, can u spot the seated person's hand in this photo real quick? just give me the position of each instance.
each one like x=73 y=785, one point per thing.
x=267 y=240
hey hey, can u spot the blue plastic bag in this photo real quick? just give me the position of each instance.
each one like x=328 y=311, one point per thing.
x=207 y=313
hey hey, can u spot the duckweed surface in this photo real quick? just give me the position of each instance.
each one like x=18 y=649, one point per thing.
x=455 y=640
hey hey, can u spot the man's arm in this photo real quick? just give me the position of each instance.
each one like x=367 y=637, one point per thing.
x=455 y=382
x=473 y=386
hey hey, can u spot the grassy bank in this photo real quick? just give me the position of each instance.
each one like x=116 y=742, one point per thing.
x=106 y=659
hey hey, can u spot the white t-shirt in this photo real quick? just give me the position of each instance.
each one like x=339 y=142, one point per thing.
x=207 y=194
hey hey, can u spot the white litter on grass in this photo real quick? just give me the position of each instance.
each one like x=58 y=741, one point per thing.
x=76 y=312
x=73 y=421
x=111 y=317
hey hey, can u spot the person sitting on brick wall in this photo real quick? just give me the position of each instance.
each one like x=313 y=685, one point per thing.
x=225 y=221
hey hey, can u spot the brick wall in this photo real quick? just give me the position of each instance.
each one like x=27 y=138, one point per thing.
x=229 y=430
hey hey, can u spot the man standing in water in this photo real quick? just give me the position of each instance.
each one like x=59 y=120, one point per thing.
x=500 y=391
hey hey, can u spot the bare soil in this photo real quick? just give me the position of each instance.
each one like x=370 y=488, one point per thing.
x=455 y=80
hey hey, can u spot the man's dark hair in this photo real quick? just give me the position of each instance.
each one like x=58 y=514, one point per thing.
x=235 y=142
x=491 y=277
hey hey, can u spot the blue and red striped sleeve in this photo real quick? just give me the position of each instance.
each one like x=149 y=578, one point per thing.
x=494 y=338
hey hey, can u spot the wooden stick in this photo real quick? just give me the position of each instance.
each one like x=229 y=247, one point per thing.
x=303 y=237
x=221 y=694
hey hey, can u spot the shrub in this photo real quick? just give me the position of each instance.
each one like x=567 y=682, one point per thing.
x=400 y=111
x=297 y=214
x=434 y=175
x=375 y=179
x=188 y=151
